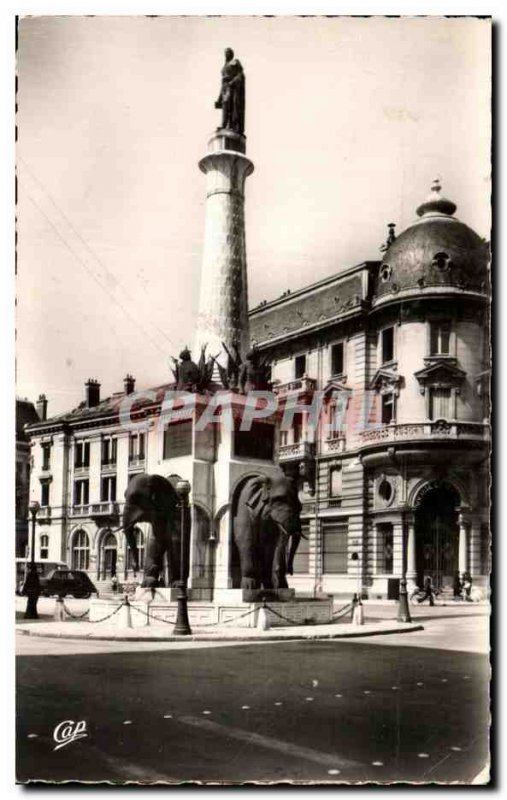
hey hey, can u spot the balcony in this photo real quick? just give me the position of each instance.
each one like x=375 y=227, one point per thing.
x=334 y=444
x=441 y=430
x=296 y=452
x=108 y=465
x=302 y=385
x=81 y=469
x=44 y=514
x=104 y=509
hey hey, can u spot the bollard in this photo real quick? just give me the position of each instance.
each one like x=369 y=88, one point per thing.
x=263 y=623
x=147 y=618
x=124 y=614
x=59 y=615
x=358 y=613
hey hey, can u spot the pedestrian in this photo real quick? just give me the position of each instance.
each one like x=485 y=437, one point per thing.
x=467 y=586
x=114 y=583
x=427 y=592
x=457 y=587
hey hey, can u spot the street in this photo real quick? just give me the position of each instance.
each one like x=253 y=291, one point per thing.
x=379 y=709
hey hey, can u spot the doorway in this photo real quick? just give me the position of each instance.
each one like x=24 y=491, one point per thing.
x=437 y=536
x=108 y=557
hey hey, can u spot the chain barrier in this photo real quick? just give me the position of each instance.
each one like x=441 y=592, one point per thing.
x=152 y=616
x=91 y=621
x=342 y=611
x=75 y=616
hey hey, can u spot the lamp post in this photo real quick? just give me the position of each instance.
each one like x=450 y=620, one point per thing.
x=31 y=586
x=403 y=609
x=182 y=626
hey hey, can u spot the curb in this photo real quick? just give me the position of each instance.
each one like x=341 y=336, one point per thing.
x=197 y=637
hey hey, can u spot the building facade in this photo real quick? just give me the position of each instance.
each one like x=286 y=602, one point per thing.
x=398 y=348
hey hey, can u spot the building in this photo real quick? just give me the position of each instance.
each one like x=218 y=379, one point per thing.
x=399 y=347
x=26 y=414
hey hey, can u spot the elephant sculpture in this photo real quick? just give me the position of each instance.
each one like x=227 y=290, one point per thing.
x=267 y=517
x=153 y=499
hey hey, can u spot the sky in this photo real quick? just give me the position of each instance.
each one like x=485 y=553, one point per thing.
x=348 y=121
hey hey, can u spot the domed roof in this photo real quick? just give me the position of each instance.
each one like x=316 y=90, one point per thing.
x=438 y=250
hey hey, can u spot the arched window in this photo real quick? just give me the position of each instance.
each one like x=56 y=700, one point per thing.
x=80 y=550
x=44 y=546
x=140 y=550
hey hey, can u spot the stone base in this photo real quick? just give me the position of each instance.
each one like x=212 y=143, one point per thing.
x=239 y=614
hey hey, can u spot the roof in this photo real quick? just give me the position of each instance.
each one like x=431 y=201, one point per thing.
x=26 y=414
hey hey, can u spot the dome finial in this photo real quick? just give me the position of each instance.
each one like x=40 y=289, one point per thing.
x=391 y=236
x=435 y=203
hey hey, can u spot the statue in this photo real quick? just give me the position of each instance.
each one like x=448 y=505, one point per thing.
x=232 y=94
x=254 y=372
x=192 y=377
x=229 y=375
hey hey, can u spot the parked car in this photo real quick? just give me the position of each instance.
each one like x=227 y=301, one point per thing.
x=67 y=582
x=43 y=566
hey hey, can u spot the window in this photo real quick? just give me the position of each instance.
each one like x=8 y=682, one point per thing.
x=81 y=492
x=44 y=546
x=335 y=481
x=385 y=540
x=44 y=493
x=334 y=547
x=284 y=438
x=299 y=366
x=136 y=447
x=255 y=443
x=109 y=450
x=387 y=343
x=442 y=262
x=81 y=454
x=80 y=550
x=337 y=359
x=140 y=550
x=440 y=335
x=301 y=564
x=108 y=489
x=297 y=428
x=440 y=403
x=178 y=440
x=387 y=410
x=46 y=456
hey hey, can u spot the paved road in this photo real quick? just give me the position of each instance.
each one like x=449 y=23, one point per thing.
x=299 y=711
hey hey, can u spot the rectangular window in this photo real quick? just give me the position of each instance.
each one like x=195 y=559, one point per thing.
x=302 y=557
x=44 y=493
x=337 y=359
x=385 y=543
x=387 y=408
x=440 y=336
x=387 y=345
x=81 y=492
x=299 y=366
x=178 y=440
x=136 y=446
x=81 y=454
x=108 y=489
x=297 y=428
x=334 y=547
x=440 y=403
x=284 y=436
x=46 y=456
x=109 y=450
x=255 y=443
x=335 y=481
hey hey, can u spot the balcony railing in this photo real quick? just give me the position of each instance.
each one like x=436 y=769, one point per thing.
x=136 y=461
x=426 y=431
x=81 y=469
x=44 y=513
x=295 y=452
x=107 y=509
x=297 y=385
x=334 y=444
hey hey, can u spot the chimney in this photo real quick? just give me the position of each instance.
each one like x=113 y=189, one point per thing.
x=41 y=407
x=129 y=383
x=92 y=393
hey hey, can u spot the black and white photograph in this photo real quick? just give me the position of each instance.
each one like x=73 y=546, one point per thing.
x=253 y=298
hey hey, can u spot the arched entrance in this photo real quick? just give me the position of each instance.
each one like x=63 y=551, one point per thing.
x=437 y=534
x=108 y=556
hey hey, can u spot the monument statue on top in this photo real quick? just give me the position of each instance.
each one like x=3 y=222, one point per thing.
x=232 y=94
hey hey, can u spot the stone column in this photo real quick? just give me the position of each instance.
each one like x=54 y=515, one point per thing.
x=463 y=545
x=411 y=557
x=223 y=303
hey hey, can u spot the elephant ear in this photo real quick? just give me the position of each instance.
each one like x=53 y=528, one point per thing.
x=259 y=495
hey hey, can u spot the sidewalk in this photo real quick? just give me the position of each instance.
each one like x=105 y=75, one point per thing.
x=150 y=633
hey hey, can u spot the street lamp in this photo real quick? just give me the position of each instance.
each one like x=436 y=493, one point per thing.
x=31 y=587
x=182 y=626
x=403 y=609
